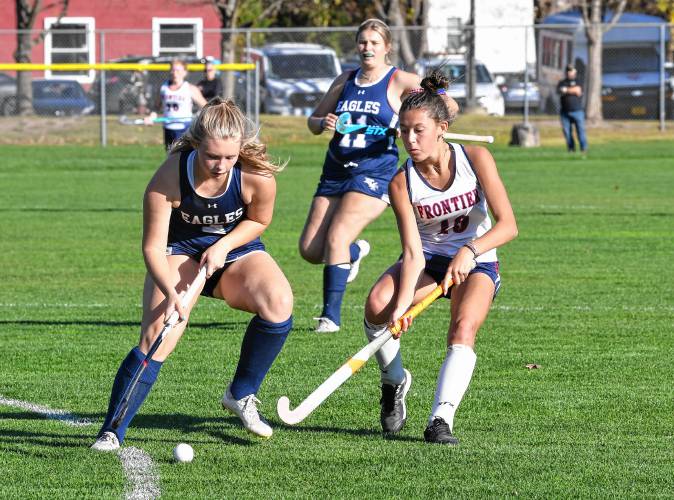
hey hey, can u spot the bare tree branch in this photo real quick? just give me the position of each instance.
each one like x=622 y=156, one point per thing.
x=616 y=16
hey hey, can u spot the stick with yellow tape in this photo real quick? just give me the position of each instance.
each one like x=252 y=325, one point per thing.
x=355 y=363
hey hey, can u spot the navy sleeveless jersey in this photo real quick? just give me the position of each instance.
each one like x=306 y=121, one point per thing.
x=200 y=221
x=357 y=152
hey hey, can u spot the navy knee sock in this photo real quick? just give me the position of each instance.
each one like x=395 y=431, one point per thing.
x=354 y=252
x=334 y=286
x=261 y=344
x=122 y=380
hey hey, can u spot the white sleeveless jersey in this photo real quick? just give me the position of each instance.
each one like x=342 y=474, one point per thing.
x=176 y=104
x=449 y=219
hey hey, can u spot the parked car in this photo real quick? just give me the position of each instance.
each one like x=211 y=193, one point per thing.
x=7 y=94
x=50 y=97
x=514 y=92
x=294 y=76
x=488 y=94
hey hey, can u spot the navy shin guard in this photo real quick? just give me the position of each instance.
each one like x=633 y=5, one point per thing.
x=334 y=286
x=122 y=380
x=261 y=344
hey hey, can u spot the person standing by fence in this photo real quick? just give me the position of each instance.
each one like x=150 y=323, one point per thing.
x=571 y=109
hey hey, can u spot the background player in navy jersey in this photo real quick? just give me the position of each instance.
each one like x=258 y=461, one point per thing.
x=352 y=191
x=177 y=96
x=441 y=197
x=207 y=205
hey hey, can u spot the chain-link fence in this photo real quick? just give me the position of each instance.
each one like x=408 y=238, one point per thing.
x=517 y=69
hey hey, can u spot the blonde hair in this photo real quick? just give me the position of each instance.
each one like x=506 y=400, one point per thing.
x=222 y=119
x=380 y=27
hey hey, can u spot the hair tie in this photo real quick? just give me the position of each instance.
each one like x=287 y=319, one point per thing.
x=441 y=91
x=416 y=91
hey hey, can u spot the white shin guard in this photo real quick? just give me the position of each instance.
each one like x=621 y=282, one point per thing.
x=388 y=357
x=453 y=380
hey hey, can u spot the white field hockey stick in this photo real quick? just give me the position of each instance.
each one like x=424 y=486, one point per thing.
x=123 y=405
x=125 y=120
x=355 y=363
x=344 y=126
x=468 y=137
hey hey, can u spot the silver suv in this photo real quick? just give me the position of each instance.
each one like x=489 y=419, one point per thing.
x=294 y=76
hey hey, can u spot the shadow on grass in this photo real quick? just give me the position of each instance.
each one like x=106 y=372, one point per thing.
x=347 y=431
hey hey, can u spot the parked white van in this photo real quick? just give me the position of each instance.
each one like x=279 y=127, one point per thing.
x=294 y=76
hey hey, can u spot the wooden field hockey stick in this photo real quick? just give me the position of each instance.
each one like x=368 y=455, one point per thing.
x=468 y=137
x=123 y=405
x=355 y=363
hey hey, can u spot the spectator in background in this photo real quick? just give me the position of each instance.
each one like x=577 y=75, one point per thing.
x=210 y=85
x=571 y=109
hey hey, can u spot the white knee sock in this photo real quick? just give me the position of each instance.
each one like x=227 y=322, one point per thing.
x=453 y=380
x=388 y=357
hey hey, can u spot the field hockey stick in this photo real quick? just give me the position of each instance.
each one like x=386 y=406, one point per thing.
x=123 y=406
x=353 y=364
x=344 y=126
x=124 y=120
x=468 y=137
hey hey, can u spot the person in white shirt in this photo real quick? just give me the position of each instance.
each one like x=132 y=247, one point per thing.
x=441 y=198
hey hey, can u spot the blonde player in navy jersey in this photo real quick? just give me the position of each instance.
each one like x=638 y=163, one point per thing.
x=441 y=197
x=177 y=96
x=358 y=166
x=207 y=205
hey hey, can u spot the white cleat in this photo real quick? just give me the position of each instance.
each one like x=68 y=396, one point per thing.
x=107 y=442
x=326 y=325
x=246 y=409
x=355 y=266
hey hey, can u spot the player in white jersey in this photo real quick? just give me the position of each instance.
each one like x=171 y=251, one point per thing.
x=177 y=97
x=441 y=199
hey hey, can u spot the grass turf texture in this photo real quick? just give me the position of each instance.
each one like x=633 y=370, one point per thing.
x=587 y=295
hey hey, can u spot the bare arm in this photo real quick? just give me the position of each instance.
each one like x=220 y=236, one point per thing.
x=197 y=96
x=259 y=193
x=161 y=193
x=413 y=256
x=323 y=116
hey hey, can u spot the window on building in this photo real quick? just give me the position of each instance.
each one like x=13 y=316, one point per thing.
x=177 y=37
x=72 y=40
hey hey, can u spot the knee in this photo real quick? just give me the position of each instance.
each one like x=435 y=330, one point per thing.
x=278 y=305
x=464 y=332
x=377 y=305
x=309 y=254
x=336 y=239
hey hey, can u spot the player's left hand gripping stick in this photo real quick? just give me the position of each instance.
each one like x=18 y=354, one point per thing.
x=355 y=363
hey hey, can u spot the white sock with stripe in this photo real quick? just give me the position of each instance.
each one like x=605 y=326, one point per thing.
x=388 y=357
x=453 y=380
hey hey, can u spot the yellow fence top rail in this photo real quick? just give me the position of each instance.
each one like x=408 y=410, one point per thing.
x=117 y=67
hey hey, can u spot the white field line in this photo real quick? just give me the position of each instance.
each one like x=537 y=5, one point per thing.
x=556 y=307
x=62 y=415
x=141 y=475
x=142 y=480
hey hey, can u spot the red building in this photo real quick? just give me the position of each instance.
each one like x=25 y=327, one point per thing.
x=101 y=31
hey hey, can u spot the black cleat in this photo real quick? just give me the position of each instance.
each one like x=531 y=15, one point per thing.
x=438 y=432
x=393 y=408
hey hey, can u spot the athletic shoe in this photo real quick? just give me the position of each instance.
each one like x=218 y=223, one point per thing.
x=107 y=442
x=326 y=325
x=355 y=265
x=393 y=407
x=246 y=409
x=438 y=432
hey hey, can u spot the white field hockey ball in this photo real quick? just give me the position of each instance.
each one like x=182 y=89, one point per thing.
x=183 y=453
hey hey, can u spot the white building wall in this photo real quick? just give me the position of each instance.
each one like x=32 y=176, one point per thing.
x=500 y=34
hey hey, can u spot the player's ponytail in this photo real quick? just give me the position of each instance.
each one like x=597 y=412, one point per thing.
x=432 y=96
x=222 y=119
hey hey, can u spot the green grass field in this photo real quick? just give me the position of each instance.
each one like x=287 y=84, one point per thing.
x=587 y=295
